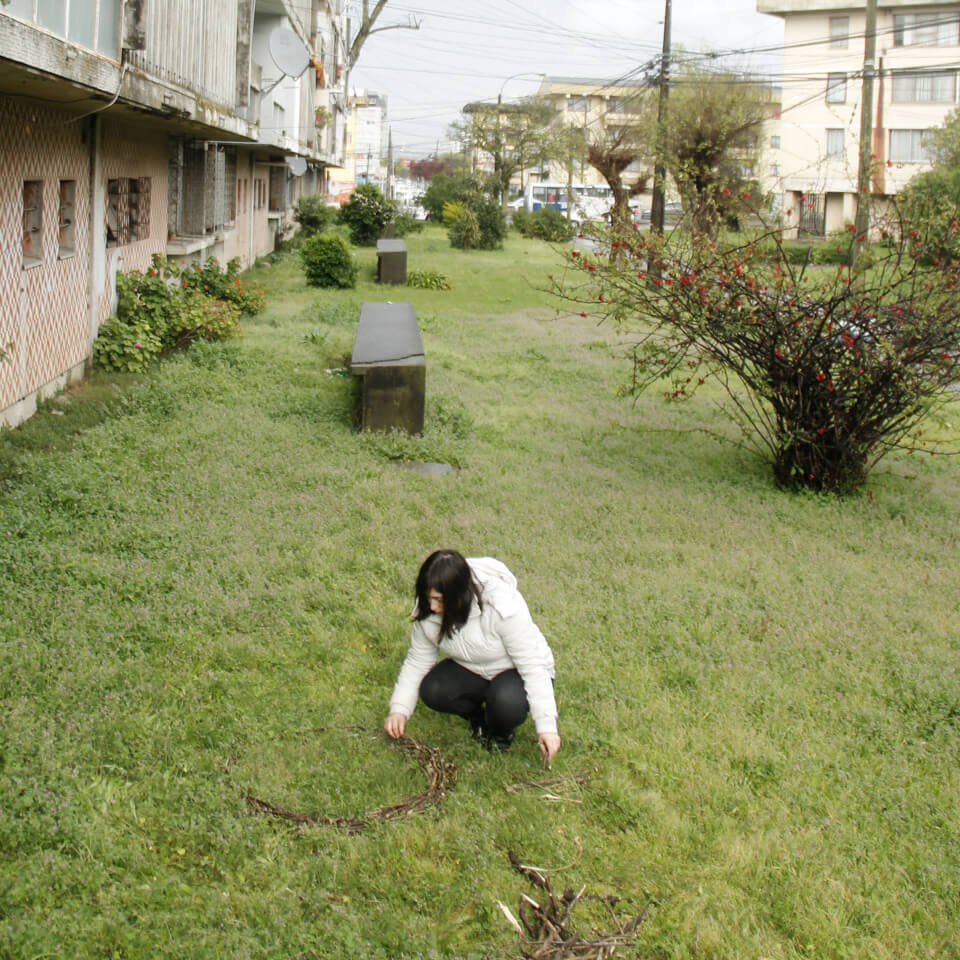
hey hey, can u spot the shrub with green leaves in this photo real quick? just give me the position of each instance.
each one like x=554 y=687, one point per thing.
x=328 y=261
x=404 y=224
x=366 y=214
x=547 y=223
x=428 y=280
x=161 y=310
x=313 y=214
x=464 y=228
x=930 y=207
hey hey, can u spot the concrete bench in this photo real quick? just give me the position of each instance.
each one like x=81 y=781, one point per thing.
x=391 y=261
x=388 y=355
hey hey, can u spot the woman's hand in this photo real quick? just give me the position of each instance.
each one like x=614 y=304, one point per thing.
x=395 y=724
x=549 y=745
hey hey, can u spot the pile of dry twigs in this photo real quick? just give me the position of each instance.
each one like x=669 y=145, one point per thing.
x=440 y=777
x=544 y=924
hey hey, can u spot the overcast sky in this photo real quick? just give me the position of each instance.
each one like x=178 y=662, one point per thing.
x=470 y=50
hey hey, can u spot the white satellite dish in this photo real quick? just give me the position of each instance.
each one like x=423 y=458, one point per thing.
x=287 y=52
x=297 y=165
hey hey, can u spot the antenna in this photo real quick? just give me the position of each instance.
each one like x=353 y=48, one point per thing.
x=297 y=165
x=289 y=55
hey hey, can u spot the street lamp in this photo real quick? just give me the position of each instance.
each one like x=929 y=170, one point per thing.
x=497 y=158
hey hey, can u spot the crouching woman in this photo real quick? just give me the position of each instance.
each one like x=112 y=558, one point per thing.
x=497 y=664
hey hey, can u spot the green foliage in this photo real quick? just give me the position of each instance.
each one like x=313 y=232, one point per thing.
x=943 y=142
x=547 y=223
x=929 y=206
x=464 y=227
x=226 y=285
x=328 y=261
x=366 y=214
x=444 y=189
x=474 y=221
x=404 y=224
x=428 y=280
x=165 y=309
x=314 y=214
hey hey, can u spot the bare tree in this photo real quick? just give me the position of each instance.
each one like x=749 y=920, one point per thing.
x=368 y=17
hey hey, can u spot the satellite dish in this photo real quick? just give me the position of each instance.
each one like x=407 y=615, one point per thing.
x=297 y=165
x=287 y=52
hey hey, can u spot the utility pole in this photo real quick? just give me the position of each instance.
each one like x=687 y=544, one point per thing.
x=660 y=167
x=862 y=223
x=390 y=163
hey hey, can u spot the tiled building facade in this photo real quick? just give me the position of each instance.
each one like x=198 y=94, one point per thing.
x=121 y=142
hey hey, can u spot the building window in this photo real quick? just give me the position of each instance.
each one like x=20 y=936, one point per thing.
x=908 y=146
x=835 y=142
x=926 y=30
x=128 y=210
x=940 y=87
x=94 y=24
x=774 y=169
x=839 y=32
x=580 y=104
x=32 y=222
x=68 y=231
x=774 y=143
x=279 y=119
x=836 y=88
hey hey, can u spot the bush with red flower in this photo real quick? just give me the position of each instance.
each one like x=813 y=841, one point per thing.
x=823 y=369
x=162 y=309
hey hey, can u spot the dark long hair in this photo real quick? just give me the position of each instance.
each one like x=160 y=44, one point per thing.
x=447 y=572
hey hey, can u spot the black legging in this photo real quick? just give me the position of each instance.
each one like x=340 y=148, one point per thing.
x=450 y=688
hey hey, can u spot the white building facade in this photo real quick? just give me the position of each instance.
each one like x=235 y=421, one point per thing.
x=915 y=87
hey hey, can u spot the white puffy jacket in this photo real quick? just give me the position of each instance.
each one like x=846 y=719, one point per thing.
x=498 y=635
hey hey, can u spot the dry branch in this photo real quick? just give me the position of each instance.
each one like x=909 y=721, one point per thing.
x=439 y=774
x=544 y=925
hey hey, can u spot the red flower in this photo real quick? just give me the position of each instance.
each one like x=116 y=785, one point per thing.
x=725 y=192
x=583 y=313
x=574 y=253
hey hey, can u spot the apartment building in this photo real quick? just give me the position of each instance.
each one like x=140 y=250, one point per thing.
x=367 y=145
x=134 y=128
x=601 y=109
x=918 y=52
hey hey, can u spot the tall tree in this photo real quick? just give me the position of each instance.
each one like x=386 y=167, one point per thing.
x=713 y=142
x=368 y=17
x=514 y=135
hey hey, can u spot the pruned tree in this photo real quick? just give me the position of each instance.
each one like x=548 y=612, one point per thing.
x=623 y=138
x=368 y=17
x=514 y=135
x=713 y=141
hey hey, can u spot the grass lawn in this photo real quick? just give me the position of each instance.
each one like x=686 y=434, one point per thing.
x=205 y=579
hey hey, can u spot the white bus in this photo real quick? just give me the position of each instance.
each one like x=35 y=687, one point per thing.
x=591 y=201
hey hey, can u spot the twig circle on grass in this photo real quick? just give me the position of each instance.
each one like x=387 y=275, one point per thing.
x=440 y=777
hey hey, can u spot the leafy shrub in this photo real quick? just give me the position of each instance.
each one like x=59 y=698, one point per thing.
x=404 y=224
x=313 y=214
x=521 y=220
x=162 y=310
x=930 y=207
x=464 y=231
x=428 y=280
x=445 y=189
x=547 y=223
x=328 y=262
x=490 y=219
x=366 y=214
x=210 y=281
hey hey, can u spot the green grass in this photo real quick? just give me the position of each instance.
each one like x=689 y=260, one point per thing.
x=204 y=590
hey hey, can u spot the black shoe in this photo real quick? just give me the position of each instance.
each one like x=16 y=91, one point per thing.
x=478 y=729
x=500 y=743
